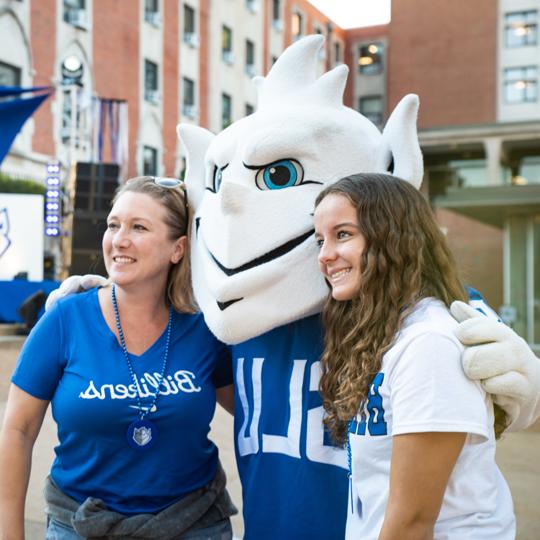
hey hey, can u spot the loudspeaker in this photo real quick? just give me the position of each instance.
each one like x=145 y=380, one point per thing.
x=95 y=186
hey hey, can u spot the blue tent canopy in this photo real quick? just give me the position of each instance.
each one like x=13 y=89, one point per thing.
x=15 y=109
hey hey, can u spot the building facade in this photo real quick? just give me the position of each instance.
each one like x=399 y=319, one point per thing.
x=146 y=65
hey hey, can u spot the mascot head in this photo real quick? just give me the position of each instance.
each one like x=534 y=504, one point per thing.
x=252 y=189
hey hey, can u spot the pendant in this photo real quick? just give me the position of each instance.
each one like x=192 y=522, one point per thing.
x=141 y=434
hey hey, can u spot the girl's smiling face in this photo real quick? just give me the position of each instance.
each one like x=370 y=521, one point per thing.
x=341 y=245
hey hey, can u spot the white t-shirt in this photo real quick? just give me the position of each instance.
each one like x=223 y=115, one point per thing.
x=422 y=388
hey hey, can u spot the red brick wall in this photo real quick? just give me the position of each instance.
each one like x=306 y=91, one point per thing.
x=478 y=250
x=446 y=53
x=43 y=32
x=171 y=99
x=116 y=61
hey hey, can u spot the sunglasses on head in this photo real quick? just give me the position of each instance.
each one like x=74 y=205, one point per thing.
x=169 y=183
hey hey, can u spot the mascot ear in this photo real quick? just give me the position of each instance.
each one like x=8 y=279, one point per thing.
x=195 y=141
x=399 y=144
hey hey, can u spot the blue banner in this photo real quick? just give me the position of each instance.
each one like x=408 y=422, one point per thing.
x=15 y=112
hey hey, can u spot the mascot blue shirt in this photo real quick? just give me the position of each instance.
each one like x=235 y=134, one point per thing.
x=294 y=481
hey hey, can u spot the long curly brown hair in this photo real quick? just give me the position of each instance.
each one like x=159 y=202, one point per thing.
x=405 y=259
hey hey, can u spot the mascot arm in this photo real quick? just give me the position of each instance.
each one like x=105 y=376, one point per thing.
x=75 y=284
x=502 y=361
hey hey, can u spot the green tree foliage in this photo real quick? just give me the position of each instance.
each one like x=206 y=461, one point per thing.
x=15 y=185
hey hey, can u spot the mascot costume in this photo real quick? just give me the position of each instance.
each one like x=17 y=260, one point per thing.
x=252 y=188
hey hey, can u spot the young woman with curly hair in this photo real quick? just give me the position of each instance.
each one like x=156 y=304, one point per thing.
x=420 y=435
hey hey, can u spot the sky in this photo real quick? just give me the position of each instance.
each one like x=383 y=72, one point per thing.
x=355 y=13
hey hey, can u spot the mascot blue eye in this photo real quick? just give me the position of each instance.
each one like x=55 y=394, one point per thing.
x=280 y=174
x=218 y=175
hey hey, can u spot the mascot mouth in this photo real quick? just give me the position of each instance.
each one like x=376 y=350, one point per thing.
x=262 y=259
x=267 y=257
x=257 y=261
x=224 y=305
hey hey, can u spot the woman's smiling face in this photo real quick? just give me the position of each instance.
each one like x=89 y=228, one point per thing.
x=137 y=245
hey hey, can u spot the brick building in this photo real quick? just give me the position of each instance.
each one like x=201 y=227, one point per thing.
x=475 y=66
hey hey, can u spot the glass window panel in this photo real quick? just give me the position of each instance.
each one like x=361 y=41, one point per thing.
x=72 y=9
x=150 y=75
x=521 y=28
x=517 y=229
x=250 y=53
x=530 y=169
x=337 y=53
x=469 y=172
x=276 y=10
x=297 y=25
x=151 y=6
x=189 y=92
x=226 y=110
x=370 y=58
x=372 y=108
x=189 y=20
x=226 y=39
x=149 y=161
x=9 y=75
x=521 y=84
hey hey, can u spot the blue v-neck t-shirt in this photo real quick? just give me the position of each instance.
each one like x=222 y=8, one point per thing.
x=72 y=359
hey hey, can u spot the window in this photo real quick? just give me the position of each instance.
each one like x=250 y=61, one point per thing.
x=372 y=108
x=151 y=12
x=250 y=109
x=149 y=161
x=190 y=33
x=151 y=82
x=297 y=25
x=226 y=45
x=250 y=58
x=252 y=6
x=322 y=51
x=523 y=248
x=370 y=58
x=520 y=28
x=188 y=98
x=337 y=52
x=9 y=75
x=521 y=84
x=226 y=110
x=276 y=15
x=75 y=13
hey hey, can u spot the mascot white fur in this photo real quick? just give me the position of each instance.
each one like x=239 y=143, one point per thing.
x=252 y=189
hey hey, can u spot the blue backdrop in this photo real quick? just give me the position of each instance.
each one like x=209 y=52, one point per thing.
x=13 y=293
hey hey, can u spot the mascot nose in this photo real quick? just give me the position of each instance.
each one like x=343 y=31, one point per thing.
x=233 y=197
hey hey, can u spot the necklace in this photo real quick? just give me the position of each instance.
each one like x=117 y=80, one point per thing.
x=141 y=433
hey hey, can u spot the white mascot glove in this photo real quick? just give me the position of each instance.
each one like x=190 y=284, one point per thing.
x=75 y=284
x=502 y=361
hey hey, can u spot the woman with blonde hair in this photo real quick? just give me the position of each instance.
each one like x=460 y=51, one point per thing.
x=132 y=374
x=420 y=436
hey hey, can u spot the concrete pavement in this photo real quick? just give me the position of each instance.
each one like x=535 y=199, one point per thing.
x=518 y=455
